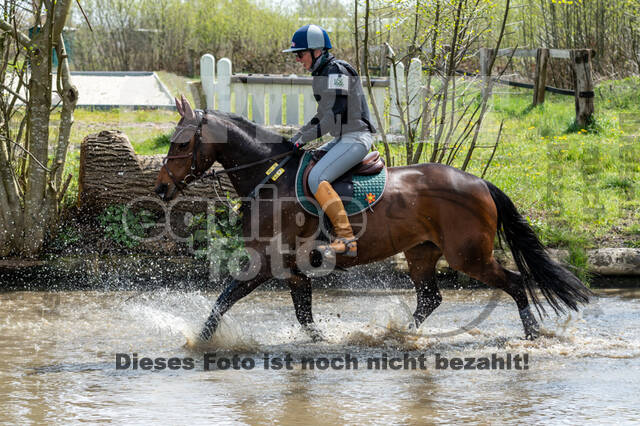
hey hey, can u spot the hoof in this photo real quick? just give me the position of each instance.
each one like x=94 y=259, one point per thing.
x=532 y=334
x=195 y=343
x=418 y=320
x=204 y=336
x=531 y=327
x=313 y=332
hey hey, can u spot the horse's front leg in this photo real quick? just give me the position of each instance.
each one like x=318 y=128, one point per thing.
x=234 y=291
x=300 y=286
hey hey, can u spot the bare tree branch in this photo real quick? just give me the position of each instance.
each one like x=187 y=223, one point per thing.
x=33 y=157
x=19 y=36
x=8 y=89
x=372 y=98
x=486 y=167
x=487 y=93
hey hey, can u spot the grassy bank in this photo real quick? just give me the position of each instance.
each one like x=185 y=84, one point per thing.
x=578 y=188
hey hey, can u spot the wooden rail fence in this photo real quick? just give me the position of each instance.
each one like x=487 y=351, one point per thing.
x=288 y=99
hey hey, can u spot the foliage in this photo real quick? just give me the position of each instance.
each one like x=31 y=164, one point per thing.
x=577 y=187
x=622 y=94
x=123 y=226
x=632 y=244
x=447 y=113
x=579 y=261
x=67 y=236
x=173 y=34
x=216 y=236
x=611 y=28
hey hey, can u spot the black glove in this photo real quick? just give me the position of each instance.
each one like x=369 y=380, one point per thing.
x=296 y=145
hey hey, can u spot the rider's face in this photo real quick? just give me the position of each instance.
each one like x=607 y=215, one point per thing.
x=304 y=57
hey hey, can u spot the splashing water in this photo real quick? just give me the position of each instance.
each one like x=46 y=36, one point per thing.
x=59 y=351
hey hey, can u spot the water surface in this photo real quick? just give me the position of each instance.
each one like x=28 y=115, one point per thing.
x=58 y=360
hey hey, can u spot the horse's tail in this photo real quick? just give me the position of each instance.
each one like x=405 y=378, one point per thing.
x=558 y=285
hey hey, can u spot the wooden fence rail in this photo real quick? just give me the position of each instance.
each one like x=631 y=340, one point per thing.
x=581 y=67
x=288 y=100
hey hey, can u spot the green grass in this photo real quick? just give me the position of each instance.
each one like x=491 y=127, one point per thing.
x=177 y=85
x=577 y=186
x=158 y=144
x=579 y=181
x=619 y=94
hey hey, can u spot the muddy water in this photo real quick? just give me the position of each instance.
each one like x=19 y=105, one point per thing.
x=58 y=360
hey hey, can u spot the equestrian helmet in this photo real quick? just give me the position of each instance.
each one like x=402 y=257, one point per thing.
x=309 y=37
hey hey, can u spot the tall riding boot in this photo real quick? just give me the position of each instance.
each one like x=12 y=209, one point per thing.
x=329 y=200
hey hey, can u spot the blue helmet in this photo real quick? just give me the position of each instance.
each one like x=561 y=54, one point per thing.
x=309 y=37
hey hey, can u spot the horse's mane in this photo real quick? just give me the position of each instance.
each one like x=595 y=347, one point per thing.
x=253 y=130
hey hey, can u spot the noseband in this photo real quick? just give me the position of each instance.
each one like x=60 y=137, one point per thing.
x=181 y=184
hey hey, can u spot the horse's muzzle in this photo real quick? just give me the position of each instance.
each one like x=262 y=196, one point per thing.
x=162 y=189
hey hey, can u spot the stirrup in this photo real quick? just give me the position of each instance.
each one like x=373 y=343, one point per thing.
x=350 y=247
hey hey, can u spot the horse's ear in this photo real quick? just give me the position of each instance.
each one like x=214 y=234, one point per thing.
x=179 y=107
x=188 y=112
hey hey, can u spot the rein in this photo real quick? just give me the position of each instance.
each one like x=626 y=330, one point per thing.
x=181 y=184
x=245 y=166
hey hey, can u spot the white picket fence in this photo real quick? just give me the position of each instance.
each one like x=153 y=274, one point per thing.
x=288 y=100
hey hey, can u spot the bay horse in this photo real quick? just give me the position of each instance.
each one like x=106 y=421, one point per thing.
x=427 y=211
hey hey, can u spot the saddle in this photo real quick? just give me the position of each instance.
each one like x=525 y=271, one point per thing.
x=370 y=165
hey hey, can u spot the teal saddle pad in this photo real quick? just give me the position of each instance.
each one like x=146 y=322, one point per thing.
x=367 y=190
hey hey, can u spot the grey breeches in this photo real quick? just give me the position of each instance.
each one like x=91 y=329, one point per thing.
x=343 y=153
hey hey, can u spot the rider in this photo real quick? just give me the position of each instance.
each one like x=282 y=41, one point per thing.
x=342 y=112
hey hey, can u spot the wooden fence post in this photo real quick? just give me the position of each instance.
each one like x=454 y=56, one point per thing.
x=396 y=97
x=292 y=99
x=542 y=59
x=486 y=54
x=208 y=76
x=414 y=86
x=583 y=85
x=223 y=86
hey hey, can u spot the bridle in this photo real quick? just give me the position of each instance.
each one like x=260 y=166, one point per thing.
x=181 y=184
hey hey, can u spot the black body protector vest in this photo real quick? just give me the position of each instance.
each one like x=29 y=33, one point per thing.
x=342 y=106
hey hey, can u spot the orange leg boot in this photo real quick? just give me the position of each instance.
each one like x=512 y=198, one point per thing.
x=329 y=200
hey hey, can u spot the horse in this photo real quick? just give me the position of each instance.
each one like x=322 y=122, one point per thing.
x=427 y=211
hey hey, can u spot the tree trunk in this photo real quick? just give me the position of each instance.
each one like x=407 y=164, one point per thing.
x=112 y=173
x=69 y=94
x=39 y=104
x=27 y=216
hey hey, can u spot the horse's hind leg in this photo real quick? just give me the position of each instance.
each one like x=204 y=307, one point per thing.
x=515 y=288
x=422 y=261
x=492 y=273
x=511 y=282
x=300 y=286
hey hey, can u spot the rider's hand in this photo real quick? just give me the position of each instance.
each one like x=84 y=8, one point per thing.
x=296 y=145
